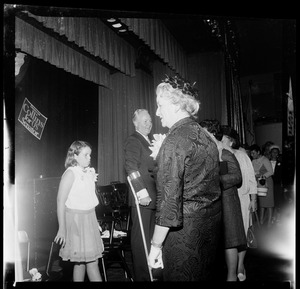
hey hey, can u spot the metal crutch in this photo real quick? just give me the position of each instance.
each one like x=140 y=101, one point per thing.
x=141 y=224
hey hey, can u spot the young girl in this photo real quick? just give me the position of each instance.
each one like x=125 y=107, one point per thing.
x=78 y=231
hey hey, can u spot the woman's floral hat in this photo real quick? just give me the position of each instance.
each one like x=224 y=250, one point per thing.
x=178 y=82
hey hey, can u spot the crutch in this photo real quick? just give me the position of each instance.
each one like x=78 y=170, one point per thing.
x=141 y=224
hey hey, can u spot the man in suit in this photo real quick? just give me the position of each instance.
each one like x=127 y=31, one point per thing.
x=137 y=158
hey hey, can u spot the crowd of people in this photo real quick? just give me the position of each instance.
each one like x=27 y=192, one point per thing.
x=197 y=193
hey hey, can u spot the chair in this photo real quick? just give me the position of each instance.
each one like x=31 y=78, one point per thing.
x=113 y=215
x=124 y=217
x=53 y=272
x=121 y=191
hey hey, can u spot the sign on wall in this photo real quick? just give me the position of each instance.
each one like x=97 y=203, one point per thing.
x=32 y=119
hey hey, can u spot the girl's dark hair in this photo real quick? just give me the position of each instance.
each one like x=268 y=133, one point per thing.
x=255 y=147
x=213 y=126
x=74 y=149
x=232 y=134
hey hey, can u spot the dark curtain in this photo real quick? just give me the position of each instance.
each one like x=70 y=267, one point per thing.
x=208 y=70
x=235 y=116
x=70 y=105
x=234 y=109
x=116 y=108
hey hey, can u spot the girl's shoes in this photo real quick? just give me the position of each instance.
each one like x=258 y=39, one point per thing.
x=242 y=276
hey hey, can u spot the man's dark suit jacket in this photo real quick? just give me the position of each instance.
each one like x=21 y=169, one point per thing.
x=137 y=158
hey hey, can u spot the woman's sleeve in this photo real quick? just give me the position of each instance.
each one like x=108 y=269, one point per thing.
x=234 y=175
x=269 y=168
x=169 y=211
x=250 y=174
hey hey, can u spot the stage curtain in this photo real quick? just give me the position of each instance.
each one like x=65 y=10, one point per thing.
x=161 y=41
x=70 y=105
x=38 y=44
x=235 y=106
x=207 y=69
x=96 y=38
x=116 y=108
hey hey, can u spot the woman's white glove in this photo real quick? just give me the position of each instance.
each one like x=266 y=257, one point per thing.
x=155 y=258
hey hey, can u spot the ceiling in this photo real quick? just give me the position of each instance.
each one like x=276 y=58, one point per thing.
x=260 y=41
x=192 y=33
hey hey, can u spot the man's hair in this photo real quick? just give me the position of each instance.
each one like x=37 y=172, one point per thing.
x=136 y=113
x=213 y=126
x=232 y=134
x=255 y=147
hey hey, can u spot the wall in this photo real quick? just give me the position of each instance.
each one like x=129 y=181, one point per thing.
x=263 y=104
x=208 y=71
x=269 y=132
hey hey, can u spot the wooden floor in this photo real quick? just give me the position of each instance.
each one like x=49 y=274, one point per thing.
x=260 y=267
x=272 y=263
x=263 y=270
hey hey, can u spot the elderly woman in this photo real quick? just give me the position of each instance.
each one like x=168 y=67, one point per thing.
x=188 y=216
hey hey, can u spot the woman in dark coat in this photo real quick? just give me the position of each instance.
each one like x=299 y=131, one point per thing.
x=188 y=211
x=234 y=237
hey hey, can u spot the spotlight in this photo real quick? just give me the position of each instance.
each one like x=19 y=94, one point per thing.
x=117 y=25
x=111 y=20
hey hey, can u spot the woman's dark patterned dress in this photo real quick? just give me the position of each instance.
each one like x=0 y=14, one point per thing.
x=188 y=202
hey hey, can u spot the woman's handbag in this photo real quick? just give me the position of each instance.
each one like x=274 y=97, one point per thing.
x=262 y=188
x=253 y=231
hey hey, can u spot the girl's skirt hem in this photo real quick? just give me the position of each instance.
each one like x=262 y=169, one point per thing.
x=83 y=239
x=86 y=260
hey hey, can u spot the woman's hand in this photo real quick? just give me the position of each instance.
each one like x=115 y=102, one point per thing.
x=155 y=258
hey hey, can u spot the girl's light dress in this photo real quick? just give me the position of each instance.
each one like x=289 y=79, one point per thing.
x=83 y=240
